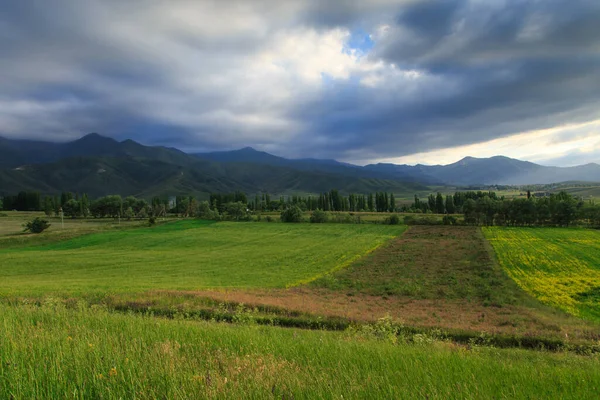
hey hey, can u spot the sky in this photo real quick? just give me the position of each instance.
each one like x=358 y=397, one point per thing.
x=362 y=81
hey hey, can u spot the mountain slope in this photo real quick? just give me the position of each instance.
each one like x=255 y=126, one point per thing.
x=100 y=176
x=16 y=153
x=494 y=170
x=498 y=170
x=99 y=165
x=249 y=155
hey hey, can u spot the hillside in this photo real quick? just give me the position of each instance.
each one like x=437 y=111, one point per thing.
x=496 y=170
x=99 y=165
x=100 y=176
x=16 y=153
x=468 y=171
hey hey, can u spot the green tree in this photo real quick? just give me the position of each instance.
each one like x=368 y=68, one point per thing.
x=450 y=209
x=71 y=208
x=37 y=225
x=128 y=213
x=370 y=203
x=470 y=211
x=319 y=216
x=48 y=206
x=439 y=204
x=236 y=210
x=64 y=197
x=431 y=203
x=84 y=206
x=291 y=214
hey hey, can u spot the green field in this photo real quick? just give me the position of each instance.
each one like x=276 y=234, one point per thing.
x=561 y=267
x=189 y=255
x=49 y=352
x=84 y=313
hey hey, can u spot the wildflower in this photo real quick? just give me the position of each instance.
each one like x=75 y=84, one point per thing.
x=100 y=376
x=69 y=338
x=112 y=372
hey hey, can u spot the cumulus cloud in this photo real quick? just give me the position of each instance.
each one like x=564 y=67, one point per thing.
x=354 y=80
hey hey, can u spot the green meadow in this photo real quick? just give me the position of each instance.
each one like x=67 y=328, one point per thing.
x=60 y=340
x=189 y=255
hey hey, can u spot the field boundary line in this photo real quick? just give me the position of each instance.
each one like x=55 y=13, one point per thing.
x=345 y=264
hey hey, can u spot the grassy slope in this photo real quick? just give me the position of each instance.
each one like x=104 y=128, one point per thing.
x=561 y=267
x=94 y=354
x=189 y=255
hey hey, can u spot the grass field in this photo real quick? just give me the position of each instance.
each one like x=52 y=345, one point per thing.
x=431 y=277
x=560 y=267
x=109 y=311
x=587 y=192
x=11 y=223
x=50 y=352
x=188 y=255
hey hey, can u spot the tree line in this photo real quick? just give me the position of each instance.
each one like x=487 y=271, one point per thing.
x=560 y=209
x=478 y=207
x=327 y=201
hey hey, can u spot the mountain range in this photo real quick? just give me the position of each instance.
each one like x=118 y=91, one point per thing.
x=100 y=165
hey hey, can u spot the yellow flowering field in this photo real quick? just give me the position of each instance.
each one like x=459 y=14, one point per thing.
x=560 y=267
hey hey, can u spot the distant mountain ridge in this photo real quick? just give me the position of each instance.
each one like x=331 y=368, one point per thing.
x=15 y=153
x=101 y=165
x=497 y=170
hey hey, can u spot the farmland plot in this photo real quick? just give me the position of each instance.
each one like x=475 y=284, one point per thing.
x=189 y=255
x=561 y=267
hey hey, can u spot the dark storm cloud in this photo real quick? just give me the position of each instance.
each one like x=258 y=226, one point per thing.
x=515 y=66
x=192 y=74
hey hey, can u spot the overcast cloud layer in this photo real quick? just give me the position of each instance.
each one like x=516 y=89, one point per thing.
x=359 y=81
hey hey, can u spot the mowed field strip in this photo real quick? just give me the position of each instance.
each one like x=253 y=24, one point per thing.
x=189 y=255
x=560 y=267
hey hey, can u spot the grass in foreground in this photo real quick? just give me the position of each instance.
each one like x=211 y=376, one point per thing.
x=188 y=255
x=51 y=352
x=560 y=267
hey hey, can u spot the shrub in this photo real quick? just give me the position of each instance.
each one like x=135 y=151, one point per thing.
x=205 y=212
x=37 y=225
x=319 y=216
x=449 y=220
x=292 y=214
x=413 y=220
x=152 y=221
x=393 y=219
x=344 y=218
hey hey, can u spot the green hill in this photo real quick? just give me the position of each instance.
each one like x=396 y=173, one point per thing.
x=145 y=177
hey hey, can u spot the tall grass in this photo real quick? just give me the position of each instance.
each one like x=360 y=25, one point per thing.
x=51 y=352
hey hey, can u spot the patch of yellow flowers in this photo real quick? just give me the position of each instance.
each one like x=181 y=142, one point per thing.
x=556 y=265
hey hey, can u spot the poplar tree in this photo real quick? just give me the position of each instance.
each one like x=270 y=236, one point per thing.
x=439 y=203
